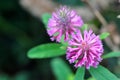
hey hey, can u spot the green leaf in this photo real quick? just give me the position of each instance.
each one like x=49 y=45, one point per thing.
x=21 y=76
x=63 y=42
x=4 y=77
x=80 y=74
x=104 y=35
x=111 y=54
x=84 y=27
x=45 y=18
x=46 y=51
x=102 y=73
x=61 y=69
x=91 y=78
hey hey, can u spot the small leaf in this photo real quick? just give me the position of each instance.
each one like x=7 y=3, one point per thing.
x=104 y=35
x=80 y=74
x=61 y=69
x=63 y=42
x=111 y=54
x=84 y=27
x=102 y=73
x=45 y=18
x=46 y=51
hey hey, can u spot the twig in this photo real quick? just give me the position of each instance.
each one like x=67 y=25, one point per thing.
x=96 y=13
x=99 y=16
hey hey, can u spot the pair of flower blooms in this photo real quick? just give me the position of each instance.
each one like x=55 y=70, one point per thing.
x=84 y=49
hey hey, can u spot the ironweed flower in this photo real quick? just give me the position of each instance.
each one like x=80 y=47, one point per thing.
x=63 y=22
x=85 y=49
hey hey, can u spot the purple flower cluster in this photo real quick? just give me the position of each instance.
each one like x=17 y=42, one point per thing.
x=63 y=22
x=84 y=49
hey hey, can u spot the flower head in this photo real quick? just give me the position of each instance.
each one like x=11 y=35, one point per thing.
x=85 y=50
x=63 y=22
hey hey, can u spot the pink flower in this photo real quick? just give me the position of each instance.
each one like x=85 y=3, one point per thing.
x=63 y=22
x=85 y=50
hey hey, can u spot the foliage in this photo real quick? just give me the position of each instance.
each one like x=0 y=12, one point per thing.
x=19 y=31
x=104 y=35
x=61 y=70
x=80 y=74
x=111 y=54
x=46 y=51
x=102 y=73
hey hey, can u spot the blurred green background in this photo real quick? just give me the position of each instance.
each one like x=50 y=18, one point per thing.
x=20 y=31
